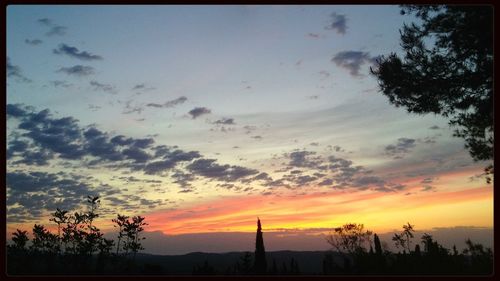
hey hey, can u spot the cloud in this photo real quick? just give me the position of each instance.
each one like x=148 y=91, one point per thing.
x=45 y=21
x=16 y=146
x=15 y=72
x=33 y=42
x=57 y=30
x=198 y=111
x=224 y=121
x=367 y=181
x=34 y=157
x=324 y=74
x=329 y=171
x=338 y=22
x=43 y=139
x=103 y=87
x=137 y=154
x=428 y=180
x=37 y=192
x=75 y=53
x=402 y=147
x=131 y=109
x=59 y=83
x=121 y=140
x=143 y=143
x=77 y=70
x=301 y=159
x=142 y=86
x=210 y=169
x=353 y=60
x=427 y=188
x=64 y=138
x=249 y=128
x=54 y=29
x=15 y=110
x=314 y=35
x=171 y=103
x=337 y=148
x=183 y=179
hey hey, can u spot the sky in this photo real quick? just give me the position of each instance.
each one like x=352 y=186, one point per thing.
x=203 y=118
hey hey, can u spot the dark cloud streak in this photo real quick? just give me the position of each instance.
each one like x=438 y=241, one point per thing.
x=77 y=70
x=64 y=49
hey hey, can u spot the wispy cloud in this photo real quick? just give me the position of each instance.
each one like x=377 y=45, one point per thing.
x=224 y=121
x=338 y=22
x=45 y=21
x=77 y=70
x=324 y=74
x=142 y=87
x=103 y=87
x=401 y=148
x=14 y=71
x=198 y=111
x=314 y=35
x=353 y=60
x=64 y=49
x=33 y=42
x=171 y=103
x=54 y=29
x=57 y=30
x=60 y=83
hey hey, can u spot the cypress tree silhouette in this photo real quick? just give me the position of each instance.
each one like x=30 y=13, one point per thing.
x=260 y=264
x=378 y=247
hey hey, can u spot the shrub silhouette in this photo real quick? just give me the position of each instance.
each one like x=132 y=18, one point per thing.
x=78 y=247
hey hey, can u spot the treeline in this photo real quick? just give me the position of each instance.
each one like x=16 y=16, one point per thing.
x=78 y=247
x=363 y=254
x=360 y=252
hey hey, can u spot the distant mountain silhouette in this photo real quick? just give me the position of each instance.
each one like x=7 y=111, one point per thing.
x=310 y=262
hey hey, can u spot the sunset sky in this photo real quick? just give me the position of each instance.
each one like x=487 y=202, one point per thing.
x=203 y=118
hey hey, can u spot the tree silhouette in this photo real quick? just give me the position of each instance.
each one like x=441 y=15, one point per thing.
x=59 y=217
x=417 y=250
x=20 y=238
x=349 y=238
x=120 y=223
x=481 y=258
x=133 y=229
x=403 y=240
x=44 y=241
x=447 y=70
x=260 y=263
x=378 y=246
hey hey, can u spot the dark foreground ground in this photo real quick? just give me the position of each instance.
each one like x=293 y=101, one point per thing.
x=240 y=263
